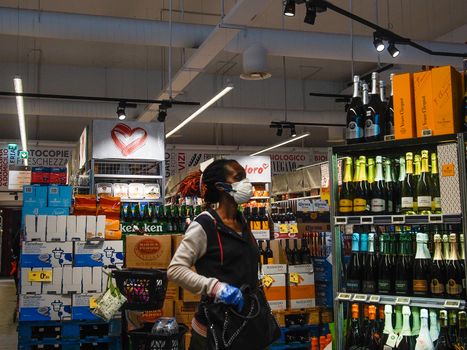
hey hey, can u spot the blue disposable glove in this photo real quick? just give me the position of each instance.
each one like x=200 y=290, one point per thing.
x=229 y=295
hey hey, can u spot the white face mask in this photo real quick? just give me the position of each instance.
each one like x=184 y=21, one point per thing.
x=242 y=191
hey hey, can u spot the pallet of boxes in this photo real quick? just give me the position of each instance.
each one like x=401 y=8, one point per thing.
x=61 y=272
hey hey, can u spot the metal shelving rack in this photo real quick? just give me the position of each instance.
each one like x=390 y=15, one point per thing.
x=398 y=146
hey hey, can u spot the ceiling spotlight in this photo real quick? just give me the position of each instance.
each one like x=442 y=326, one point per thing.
x=289 y=8
x=378 y=43
x=279 y=131
x=310 y=14
x=121 y=111
x=293 y=132
x=393 y=50
x=162 y=115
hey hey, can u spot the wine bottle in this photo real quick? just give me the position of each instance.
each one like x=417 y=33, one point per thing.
x=385 y=267
x=407 y=188
x=378 y=190
x=346 y=192
x=445 y=239
x=296 y=253
x=424 y=187
x=372 y=338
x=373 y=112
x=398 y=325
x=176 y=219
x=261 y=252
x=354 y=335
x=403 y=278
x=416 y=177
x=390 y=111
x=454 y=273
x=461 y=343
x=422 y=267
x=435 y=191
x=399 y=184
x=168 y=218
x=434 y=327
x=305 y=254
x=462 y=261
x=354 y=131
x=406 y=340
x=371 y=175
x=443 y=342
x=360 y=201
x=452 y=330
x=268 y=255
x=354 y=268
x=415 y=321
x=388 y=186
x=289 y=253
x=370 y=271
x=383 y=107
x=365 y=323
x=424 y=341
x=388 y=330
x=380 y=321
x=438 y=270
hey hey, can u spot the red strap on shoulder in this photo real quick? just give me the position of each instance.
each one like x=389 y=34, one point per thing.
x=221 y=248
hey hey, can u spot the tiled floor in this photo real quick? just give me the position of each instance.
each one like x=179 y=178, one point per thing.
x=8 y=336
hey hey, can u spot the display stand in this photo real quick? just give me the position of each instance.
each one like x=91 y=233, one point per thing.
x=451 y=152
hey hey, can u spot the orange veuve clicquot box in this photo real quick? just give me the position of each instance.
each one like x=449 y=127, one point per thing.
x=424 y=114
x=404 y=108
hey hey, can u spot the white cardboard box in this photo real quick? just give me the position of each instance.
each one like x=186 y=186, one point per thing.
x=46 y=254
x=107 y=253
x=276 y=292
x=54 y=287
x=100 y=226
x=72 y=279
x=35 y=227
x=76 y=228
x=92 y=279
x=30 y=287
x=304 y=268
x=56 y=228
x=44 y=307
x=302 y=294
x=90 y=227
x=273 y=269
x=80 y=307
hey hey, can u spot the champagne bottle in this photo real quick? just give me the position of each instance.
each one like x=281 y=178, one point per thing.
x=385 y=267
x=403 y=278
x=462 y=261
x=354 y=131
x=390 y=112
x=445 y=238
x=398 y=325
x=407 y=188
x=435 y=191
x=407 y=341
x=424 y=341
x=370 y=271
x=354 y=335
x=388 y=330
x=454 y=273
x=378 y=190
x=438 y=270
x=388 y=186
x=452 y=316
x=380 y=321
x=346 y=193
x=424 y=187
x=415 y=321
x=383 y=108
x=461 y=343
x=400 y=183
x=422 y=267
x=416 y=177
x=360 y=201
x=373 y=335
x=371 y=175
x=354 y=268
x=443 y=342
x=434 y=327
x=373 y=112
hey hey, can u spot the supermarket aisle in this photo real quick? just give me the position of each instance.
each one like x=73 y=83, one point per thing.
x=8 y=336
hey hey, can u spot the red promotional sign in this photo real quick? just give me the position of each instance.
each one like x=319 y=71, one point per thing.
x=128 y=140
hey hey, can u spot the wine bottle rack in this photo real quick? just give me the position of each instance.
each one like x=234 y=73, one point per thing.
x=456 y=145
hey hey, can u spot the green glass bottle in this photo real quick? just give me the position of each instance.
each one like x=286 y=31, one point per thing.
x=407 y=188
x=346 y=192
x=423 y=189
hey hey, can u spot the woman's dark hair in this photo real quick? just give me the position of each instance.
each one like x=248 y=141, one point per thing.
x=215 y=172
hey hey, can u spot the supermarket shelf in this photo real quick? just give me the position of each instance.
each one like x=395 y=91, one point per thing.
x=397 y=300
x=259 y=198
x=119 y=176
x=398 y=219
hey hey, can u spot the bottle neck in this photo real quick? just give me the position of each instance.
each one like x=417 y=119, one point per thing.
x=388 y=324
x=402 y=170
x=404 y=247
x=392 y=88
x=421 y=251
x=434 y=166
x=382 y=93
x=371 y=246
x=437 y=254
x=424 y=324
x=462 y=251
x=409 y=166
x=364 y=243
x=379 y=172
x=398 y=325
x=357 y=172
x=356 y=89
x=424 y=165
x=417 y=168
x=362 y=172
x=374 y=86
x=355 y=243
x=415 y=321
x=453 y=255
x=371 y=173
x=365 y=96
x=348 y=172
x=406 y=331
x=387 y=173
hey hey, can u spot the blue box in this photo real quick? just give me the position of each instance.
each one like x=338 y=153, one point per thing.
x=80 y=309
x=59 y=196
x=105 y=253
x=323 y=270
x=33 y=210
x=46 y=254
x=324 y=294
x=45 y=307
x=35 y=196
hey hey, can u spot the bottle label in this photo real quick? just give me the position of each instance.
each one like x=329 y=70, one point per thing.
x=437 y=202
x=369 y=287
x=265 y=225
x=378 y=205
x=372 y=129
x=256 y=225
x=384 y=286
x=359 y=205
x=276 y=228
x=424 y=201
x=390 y=207
x=345 y=205
x=436 y=287
x=270 y=261
x=353 y=286
x=420 y=287
x=453 y=288
x=402 y=287
x=407 y=202
x=353 y=131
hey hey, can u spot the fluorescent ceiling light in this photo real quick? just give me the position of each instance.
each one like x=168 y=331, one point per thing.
x=18 y=82
x=281 y=144
x=200 y=110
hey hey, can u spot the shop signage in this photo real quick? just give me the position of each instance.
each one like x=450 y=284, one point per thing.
x=18 y=176
x=127 y=140
x=23 y=155
x=258 y=168
x=83 y=140
x=141 y=229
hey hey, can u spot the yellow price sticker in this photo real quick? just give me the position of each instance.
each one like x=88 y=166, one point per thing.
x=267 y=281
x=284 y=228
x=40 y=276
x=92 y=303
x=295 y=278
x=293 y=228
x=448 y=170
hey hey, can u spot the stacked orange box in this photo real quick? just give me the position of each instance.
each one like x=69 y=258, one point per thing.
x=404 y=109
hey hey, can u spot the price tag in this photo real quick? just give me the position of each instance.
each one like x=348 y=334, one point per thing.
x=435 y=218
x=284 y=228
x=267 y=281
x=402 y=301
x=392 y=340
x=92 y=303
x=448 y=170
x=40 y=276
x=261 y=234
x=340 y=220
x=295 y=278
x=389 y=137
x=427 y=132
x=399 y=339
x=452 y=304
x=398 y=219
x=375 y=299
x=360 y=297
x=367 y=220
x=344 y=296
x=293 y=228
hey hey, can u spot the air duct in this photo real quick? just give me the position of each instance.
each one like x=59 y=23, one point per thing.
x=255 y=64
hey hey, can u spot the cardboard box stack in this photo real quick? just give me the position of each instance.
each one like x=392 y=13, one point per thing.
x=60 y=272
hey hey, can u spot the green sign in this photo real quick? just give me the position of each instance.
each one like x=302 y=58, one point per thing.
x=12 y=146
x=23 y=154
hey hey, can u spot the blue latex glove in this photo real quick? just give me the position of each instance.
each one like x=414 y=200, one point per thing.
x=230 y=295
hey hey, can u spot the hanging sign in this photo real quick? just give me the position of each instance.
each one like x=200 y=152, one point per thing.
x=257 y=168
x=18 y=176
x=127 y=140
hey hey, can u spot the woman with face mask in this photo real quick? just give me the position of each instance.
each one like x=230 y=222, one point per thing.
x=218 y=243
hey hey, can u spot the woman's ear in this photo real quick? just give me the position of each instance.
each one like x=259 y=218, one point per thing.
x=223 y=187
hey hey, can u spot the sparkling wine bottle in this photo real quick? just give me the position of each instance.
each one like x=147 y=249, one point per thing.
x=385 y=267
x=378 y=190
x=403 y=278
x=443 y=342
x=454 y=273
x=373 y=120
x=390 y=112
x=424 y=341
x=354 y=334
x=354 y=268
x=388 y=329
x=422 y=267
x=370 y=272
x=346 y=194
x=438 y=270
x=406 y=341
x=435 y=191
x=407 y=187
x=434 y=327
x=355 y=115
x=424 y=187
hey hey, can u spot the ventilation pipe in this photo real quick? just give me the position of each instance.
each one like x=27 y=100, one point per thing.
x=255 y=64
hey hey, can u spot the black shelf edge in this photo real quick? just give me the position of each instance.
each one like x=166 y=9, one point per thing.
x=396 y=144
x=399 y=219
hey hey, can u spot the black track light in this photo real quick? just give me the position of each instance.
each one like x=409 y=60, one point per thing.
x=121 y=111
x=310 y=16
x=279 y=131
x=162 y=115
x=289 y=8
x=378 y=43
x=293 y=132
x=393 y=50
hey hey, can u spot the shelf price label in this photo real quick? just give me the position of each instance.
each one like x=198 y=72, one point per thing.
x=360 y=297
x=340 y=220
x=40 y=276
x=344 y=296
x=261 y=234
x=452 y=304
x=368 y=220
x=435 y=218
x=398 y=219
x=375 y=299
x=402 y=301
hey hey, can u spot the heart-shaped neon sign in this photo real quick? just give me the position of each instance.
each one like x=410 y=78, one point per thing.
x=128 y=140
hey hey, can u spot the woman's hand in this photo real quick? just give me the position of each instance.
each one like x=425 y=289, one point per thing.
x=230 y=295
